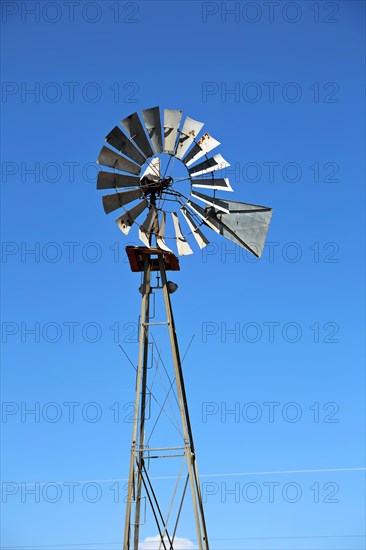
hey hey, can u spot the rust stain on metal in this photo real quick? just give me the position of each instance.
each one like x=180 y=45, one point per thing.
x=191 y=134
x=203 y=139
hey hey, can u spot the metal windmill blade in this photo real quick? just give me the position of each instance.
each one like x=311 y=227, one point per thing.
x=109 y=158
x=133 y=126
x=119 y=141
x=151 y=176
x=160 y=236
x=210 y=165
x=153 y=126
x=191 y=128
x=117 y=200
x=201 y=240
x=201 y=148
x=153 y=168
x=127 y=219
x=172 y=120
x=206 y=218
x=220 y=184
x=111 y=180
x=212 y=201
x=183 y=247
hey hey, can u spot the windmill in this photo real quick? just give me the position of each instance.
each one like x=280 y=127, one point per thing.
x=158 y=169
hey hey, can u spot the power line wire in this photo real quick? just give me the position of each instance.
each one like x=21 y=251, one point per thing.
x=222 y=474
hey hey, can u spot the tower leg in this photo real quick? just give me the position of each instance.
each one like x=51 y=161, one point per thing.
x=134 y=489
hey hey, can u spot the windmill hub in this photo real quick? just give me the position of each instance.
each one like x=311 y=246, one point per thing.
x=154 y=184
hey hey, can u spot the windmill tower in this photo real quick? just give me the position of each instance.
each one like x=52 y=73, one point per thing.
x=156 y=168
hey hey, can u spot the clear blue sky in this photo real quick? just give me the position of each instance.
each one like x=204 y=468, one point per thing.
x=293 y=131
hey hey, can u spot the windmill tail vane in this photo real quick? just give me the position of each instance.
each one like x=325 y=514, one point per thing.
x=156 y=142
